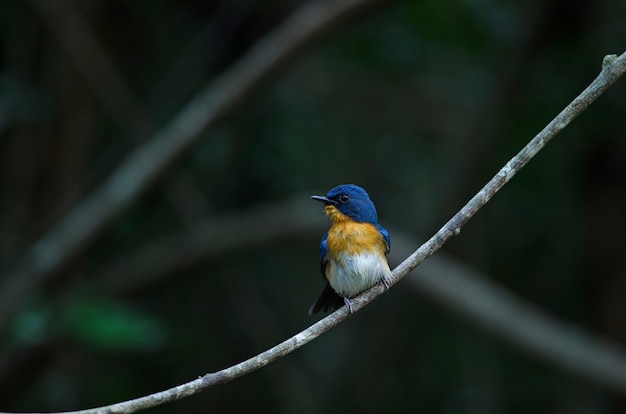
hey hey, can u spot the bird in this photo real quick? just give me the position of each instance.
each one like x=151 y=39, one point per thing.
x=353 y=253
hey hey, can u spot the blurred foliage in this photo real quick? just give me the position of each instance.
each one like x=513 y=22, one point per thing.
x=95 y=322
x=420 y=102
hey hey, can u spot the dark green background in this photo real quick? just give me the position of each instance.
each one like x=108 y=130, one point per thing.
x=420 y=102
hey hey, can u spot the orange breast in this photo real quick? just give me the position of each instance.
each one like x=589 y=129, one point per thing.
x=353 y=238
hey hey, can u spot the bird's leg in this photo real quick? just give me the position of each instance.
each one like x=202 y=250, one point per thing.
x=348 y=304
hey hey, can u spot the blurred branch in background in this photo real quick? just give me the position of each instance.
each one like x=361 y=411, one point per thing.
x=211 y=237
x=145 y=165
x=469 y=294
x=108 y=85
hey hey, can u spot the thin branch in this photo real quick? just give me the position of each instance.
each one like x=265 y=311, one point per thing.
x=612 y=68
x=442 y=278
x=142 y=168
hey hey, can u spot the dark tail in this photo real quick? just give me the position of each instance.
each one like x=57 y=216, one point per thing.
x=329 y=300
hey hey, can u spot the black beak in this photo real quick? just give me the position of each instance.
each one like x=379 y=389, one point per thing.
x=325 y=200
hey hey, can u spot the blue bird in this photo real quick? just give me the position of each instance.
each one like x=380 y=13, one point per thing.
x=353 y=251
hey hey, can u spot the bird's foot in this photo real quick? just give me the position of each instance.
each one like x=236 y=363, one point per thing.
x=385 y=282
x=347 y=302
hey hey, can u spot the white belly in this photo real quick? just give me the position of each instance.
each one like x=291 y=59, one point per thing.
x=356 y=273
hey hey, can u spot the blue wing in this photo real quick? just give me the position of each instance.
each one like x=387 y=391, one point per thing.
x=323 y=251
x=385 y=235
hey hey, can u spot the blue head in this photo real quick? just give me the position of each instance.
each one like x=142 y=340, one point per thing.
x=351 y=201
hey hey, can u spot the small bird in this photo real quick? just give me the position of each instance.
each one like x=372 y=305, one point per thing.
x=353 y=251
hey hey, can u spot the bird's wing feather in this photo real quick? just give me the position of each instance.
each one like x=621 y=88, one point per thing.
x=385 y=235
x=323 y=259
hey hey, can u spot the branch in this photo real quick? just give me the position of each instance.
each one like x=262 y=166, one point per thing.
x=612 y=68
x=142 y=168
x=442 y=278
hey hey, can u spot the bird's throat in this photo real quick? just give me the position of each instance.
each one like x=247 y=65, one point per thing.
x=335 y=215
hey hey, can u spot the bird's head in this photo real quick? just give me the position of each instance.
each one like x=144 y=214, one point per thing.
x=349 y=201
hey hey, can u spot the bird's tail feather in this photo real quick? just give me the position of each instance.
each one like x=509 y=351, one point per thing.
x=328 y=300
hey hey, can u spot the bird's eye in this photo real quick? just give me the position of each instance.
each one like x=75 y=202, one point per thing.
x=344 y=198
